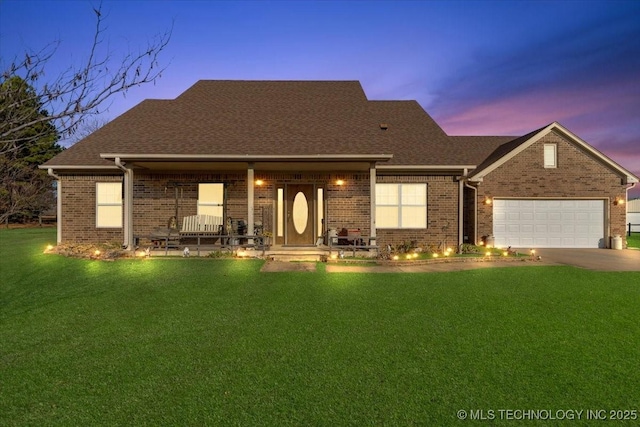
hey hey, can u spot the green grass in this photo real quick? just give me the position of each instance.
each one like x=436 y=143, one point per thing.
x=633 y=241
x=208 y=342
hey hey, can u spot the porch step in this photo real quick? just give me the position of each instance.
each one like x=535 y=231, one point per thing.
x=295 y=256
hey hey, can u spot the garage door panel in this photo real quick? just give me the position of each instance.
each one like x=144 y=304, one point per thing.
x=549 y=223
x=541 y=229
x=555 y=228
x=541 y=216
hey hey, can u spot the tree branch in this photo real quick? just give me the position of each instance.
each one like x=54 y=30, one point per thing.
x=74 y=94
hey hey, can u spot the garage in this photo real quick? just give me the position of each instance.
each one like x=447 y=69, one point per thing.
x=559 y=223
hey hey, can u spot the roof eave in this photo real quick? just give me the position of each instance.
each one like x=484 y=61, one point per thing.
x=247 y=157
x=425 y=168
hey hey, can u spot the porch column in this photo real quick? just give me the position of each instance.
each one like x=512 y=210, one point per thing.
x=250 y=180
x=127 y=226
x=372 y=198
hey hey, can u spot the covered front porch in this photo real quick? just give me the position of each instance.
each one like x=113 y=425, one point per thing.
x=296 y=202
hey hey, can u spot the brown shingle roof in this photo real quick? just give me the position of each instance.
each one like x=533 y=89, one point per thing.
x=279 y=118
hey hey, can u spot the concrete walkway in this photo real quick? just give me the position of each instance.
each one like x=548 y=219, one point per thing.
x=592 y=259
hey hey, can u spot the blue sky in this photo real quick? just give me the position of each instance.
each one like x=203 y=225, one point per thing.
x=478 y=67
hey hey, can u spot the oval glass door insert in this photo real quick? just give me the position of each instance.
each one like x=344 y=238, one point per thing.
x=300 y=212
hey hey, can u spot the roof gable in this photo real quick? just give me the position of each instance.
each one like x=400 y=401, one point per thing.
x=509 y=150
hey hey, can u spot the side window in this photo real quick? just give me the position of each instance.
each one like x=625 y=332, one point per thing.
x=211 y=199
x=550 y=156
x=109 y=205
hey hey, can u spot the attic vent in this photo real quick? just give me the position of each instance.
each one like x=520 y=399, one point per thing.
x=384 y=126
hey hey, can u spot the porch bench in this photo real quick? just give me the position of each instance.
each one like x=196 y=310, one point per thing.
x=201 y=226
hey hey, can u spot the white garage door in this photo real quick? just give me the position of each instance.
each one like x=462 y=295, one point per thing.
x=548 y=223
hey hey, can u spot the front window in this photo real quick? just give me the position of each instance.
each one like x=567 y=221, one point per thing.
x=401 y=205
x=109 y=205
x=550 y=156
x=211 y=199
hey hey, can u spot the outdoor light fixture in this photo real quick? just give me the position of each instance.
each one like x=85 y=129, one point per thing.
x=619 y=201
x=488 y=201
x=396 y=257
x=259 y=182
x=49 y=247
x=97 y=252
x=435 y=255
x=339 y=182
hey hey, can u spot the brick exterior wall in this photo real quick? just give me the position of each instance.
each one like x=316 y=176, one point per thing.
x=577 y=175
x=442 y=213
x=157 y=196
x=78 y=218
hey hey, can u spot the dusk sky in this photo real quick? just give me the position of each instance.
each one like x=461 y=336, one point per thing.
x=477 y=67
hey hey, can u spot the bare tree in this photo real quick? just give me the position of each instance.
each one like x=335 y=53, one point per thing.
x=70 y=97
x=87 y=127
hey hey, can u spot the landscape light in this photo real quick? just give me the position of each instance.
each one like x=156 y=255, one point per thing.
x=505 y=253
x=49 y=247
x=97 y=252
x=435 y=255
x=488 y=253
x=409 y=256
x=396 y=257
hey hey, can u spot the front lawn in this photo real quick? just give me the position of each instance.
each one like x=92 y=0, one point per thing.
x=208 y=342
x=633 y=241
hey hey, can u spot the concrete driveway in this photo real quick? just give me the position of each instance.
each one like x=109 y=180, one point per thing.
x=593 y=259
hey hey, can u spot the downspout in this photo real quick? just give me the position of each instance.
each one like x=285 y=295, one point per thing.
x=372 y=203
x=475 y=208
x=58 y=205
x=461 y=209
x=128 y=204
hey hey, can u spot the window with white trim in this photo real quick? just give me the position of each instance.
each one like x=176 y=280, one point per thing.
x=211 y=199
x=550 y=156
x=108 y=205
x=401 y=205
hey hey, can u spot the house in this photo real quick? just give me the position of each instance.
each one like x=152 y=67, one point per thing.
x=298 y=158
